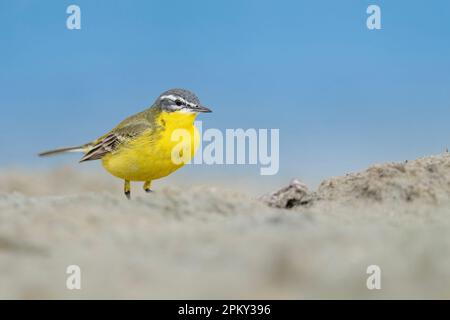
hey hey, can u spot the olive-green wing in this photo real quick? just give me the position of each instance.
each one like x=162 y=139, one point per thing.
x=124 y=132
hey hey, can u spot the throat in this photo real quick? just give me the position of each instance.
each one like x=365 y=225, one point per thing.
x=173 y=120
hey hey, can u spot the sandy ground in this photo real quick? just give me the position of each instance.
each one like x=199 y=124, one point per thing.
x=210 y=242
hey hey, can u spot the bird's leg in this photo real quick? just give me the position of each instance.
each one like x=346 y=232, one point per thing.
x=147 y=186
x=127 y=189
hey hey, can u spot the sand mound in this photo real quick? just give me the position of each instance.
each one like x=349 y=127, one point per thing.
x=212 y=243
x=419 y=182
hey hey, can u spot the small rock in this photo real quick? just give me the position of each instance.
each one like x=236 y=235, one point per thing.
x=295 y=194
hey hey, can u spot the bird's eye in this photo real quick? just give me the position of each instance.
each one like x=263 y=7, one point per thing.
x=178 y=102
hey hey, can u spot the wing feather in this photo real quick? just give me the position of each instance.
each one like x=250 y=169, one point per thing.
x=126 y=131
x=103 y=147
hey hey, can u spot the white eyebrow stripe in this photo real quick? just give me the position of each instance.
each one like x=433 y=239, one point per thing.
x=175 y=98
x=172 y=97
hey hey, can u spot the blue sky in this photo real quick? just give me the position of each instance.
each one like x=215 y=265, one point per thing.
x=343 y=97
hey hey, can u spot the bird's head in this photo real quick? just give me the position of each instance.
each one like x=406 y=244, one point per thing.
x=180 y=100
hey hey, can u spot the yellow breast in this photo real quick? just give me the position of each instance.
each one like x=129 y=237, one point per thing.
x=156 y=153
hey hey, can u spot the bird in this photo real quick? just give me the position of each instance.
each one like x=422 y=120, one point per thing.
x=141 y=147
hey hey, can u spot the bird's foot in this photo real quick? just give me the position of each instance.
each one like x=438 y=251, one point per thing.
x=147 y=186
x=127 y=189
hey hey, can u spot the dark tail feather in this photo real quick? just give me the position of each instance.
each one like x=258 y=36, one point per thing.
x=62 y=150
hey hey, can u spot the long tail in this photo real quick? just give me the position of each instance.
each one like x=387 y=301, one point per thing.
x=62 y=150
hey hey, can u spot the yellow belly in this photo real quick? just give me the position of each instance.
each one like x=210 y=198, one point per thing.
x=151 y=155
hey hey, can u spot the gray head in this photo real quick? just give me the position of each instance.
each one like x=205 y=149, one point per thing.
x=180 y=100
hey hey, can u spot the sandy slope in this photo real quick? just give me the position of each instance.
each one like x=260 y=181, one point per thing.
x=210 y=243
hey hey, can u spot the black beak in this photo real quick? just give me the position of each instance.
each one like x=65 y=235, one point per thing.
x=203 y=109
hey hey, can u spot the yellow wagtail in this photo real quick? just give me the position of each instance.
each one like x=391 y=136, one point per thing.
x=140 y=147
